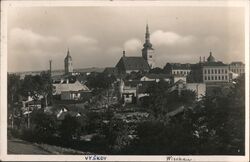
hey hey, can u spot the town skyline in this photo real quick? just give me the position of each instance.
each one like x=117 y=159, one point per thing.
x=102 y=45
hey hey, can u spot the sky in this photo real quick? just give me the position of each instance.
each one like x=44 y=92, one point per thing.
x=96 y=36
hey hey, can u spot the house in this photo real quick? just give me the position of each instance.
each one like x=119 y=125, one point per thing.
x=237 y=67
x=198 y=88
x=132 y=90
x=156 y=77
x=128 y=64
x=177 y=77
x=70 y=90
x=128 y=91
x=177 y=68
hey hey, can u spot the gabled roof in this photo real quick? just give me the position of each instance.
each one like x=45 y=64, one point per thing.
x=133 y=63
x=69 y=87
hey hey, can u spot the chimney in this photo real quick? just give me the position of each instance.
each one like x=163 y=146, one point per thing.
x=200 y=59
x=123 y=53
x=204 y=59
x=50 y=67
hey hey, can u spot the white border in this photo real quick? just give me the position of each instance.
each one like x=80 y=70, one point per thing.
x=3 y=91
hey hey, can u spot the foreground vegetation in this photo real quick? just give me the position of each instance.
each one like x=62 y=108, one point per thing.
x=212 y=126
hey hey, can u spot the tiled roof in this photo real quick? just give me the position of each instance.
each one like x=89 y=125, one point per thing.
x=77 y=86
x=134 y=63
x=237 y=63
x=180 y=66
x=214 y=64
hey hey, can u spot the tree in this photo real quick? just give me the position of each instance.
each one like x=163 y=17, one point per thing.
x=219 y=122
x=45 y=125
x=116 y=135
x=100 y=80
x=70 y=128
x=157 y=70
x=14 y=85
x=36 y=86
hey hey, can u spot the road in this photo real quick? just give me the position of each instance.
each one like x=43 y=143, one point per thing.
x=21 y=147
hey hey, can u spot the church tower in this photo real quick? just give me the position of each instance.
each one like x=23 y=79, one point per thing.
x=147 y=51
x=68 y=65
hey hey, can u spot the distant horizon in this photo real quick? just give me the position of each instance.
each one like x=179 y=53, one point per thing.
x=77 y=68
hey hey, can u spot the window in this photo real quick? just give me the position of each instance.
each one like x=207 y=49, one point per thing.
x=222 y=71
x=215 y=71
x=208 y=77
x=205 y=71
x=212 y=78
x=181 y=72
x=222 y=77
x=215 y=78
x=226 y=71
x=208 y=71
x=225 y=77
x=218 y=77
x=205 y=77
x=150 y=56
x=218 y=71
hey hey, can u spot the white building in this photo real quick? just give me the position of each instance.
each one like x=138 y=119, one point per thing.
x=237 y=67
x=215 y=71
x=70 y=91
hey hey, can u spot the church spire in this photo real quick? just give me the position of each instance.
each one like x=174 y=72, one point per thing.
x=147 y=38
x=68 y=52
x=147 y=35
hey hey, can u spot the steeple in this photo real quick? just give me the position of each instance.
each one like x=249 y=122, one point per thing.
x=68 y=65
x=147 y=38
x=148 y=51
x=68 y=52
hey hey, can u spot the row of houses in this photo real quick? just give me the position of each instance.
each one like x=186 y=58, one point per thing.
x=131 y=91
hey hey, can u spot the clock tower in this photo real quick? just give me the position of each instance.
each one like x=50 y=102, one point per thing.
x=148 y=51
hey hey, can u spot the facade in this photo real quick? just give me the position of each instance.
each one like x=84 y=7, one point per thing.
x=128 y=91
x=148 y=51
x=68 y=64
x=178 y=69
x=198 y=88
x=156 y=77
x=215 y=71
x=70 y=91
x=175 y=78
x=128 y=64
x=237 y=68
x=132 y=91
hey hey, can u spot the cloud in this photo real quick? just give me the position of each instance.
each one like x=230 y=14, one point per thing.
x=80 y=39
x=160 y=37
x=211 y=40
x=83 y=44
x=132 y=45
x=24 y=38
